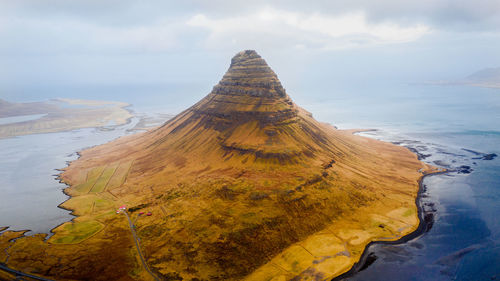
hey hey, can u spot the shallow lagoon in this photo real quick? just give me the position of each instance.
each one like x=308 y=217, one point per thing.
x=21 y=118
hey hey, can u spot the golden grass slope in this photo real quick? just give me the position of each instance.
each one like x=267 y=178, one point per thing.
x=243 y=185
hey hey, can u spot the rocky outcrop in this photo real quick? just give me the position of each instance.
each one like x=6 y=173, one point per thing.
x=249 y=91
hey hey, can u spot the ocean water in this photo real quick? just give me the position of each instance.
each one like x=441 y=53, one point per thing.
x=452 y=126
x=463 y=242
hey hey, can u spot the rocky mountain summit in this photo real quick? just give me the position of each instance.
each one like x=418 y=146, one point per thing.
x=252 y=116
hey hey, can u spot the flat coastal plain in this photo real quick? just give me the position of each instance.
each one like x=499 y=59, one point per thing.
x=59 y=115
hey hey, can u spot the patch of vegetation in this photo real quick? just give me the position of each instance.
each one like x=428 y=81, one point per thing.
x=172 y=276
x=248 y=215
x=76 y=232
x=100 y=184
x=172 y=195
x=138 y=207
x=150 y=231
x=311 y=181
x=219 y=221
x=258 y=195
x=315 y=179
x=101 y=204
x=92 y=177
x=408 y=213
x=119 y=176
x=226 y=193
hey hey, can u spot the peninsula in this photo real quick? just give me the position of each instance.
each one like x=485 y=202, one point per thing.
x=243 y=185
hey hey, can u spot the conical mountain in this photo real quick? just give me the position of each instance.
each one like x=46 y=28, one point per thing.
x=244 y=184
x=249 y=116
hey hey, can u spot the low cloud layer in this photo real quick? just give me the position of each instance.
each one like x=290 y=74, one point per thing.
x=56 y=26
x=282 y=28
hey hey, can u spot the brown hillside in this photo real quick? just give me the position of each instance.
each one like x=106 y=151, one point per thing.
x=244 y=184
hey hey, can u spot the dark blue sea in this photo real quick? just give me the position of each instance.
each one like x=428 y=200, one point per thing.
x=454 y=127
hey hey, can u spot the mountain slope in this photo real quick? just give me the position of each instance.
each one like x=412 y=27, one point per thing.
x=243 y=174
x=243 y=184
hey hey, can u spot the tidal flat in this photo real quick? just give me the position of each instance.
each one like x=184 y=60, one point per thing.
x=57 y=115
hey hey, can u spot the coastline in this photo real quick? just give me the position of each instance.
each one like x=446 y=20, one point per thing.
x=47 y=235
x=58 y=178
x=425 y=222
x=364 y=255
x=347 y=259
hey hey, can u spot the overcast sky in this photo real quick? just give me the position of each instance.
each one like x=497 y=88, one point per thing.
x=141 y=42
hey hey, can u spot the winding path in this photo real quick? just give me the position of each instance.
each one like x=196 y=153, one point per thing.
x=136 y=240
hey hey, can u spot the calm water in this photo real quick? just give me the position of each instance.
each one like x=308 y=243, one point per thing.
x=29 y=190
x=22 y=118
x=440 y=122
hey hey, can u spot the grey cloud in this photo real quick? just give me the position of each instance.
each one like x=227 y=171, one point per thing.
x=105 y=12
x=453 y=14
x=83 y=26
x=479 y=14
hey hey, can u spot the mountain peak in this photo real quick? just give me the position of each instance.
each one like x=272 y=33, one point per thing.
x=248 y=117
x=251 y=74
x=245 y=55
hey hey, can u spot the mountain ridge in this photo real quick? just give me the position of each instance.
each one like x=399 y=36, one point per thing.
x=487 y=77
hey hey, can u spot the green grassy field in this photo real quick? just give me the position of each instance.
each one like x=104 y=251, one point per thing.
x=102 y=181
x=91 y=180
x=119 y=176
x=76 y=232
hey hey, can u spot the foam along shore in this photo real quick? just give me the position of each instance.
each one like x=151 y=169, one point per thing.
x=61 y=115
x=426 y=220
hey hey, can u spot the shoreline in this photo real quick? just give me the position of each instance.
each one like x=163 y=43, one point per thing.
x=50 y=232
x=364 y=258
x=423 y=226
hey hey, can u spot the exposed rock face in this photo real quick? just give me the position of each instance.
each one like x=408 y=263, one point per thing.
x=250 y=71
x=242 y=178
